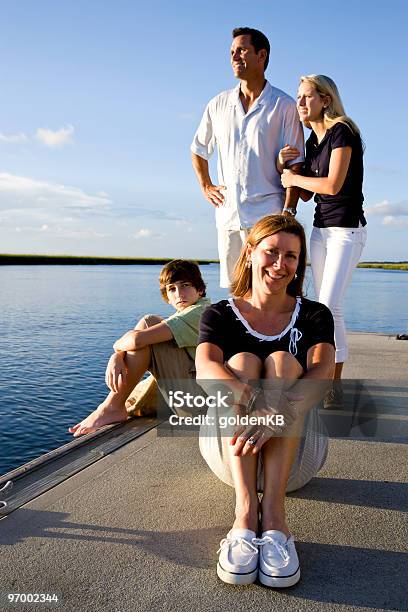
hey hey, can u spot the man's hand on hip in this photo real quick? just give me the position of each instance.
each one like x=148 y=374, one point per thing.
x=213 y=194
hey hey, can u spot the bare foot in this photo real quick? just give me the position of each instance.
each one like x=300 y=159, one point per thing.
x=105 y=414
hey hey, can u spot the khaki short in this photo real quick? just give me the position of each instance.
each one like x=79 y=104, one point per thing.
x=170 y=369
x=230 y=243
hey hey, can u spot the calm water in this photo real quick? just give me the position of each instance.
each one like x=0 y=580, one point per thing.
x=58 y=324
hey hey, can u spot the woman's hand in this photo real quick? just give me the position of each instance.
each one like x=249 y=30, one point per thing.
x=276 y=411
x=324 y=185
x=249 y=440
x=288 y=178
x=286 y=154
x=116 y=372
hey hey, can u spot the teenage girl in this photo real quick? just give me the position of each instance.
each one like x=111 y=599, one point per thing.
x=334 y=173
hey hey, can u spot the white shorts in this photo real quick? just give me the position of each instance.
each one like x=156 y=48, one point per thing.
x=230 y=243
x=310 y=456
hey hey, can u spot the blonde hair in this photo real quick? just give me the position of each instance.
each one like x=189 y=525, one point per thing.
x=334 y=112
x=273 y=224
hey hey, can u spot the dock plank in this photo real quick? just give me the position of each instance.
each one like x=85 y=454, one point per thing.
x=139 y=529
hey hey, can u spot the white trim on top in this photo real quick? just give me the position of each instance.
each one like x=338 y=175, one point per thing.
x=260 y=336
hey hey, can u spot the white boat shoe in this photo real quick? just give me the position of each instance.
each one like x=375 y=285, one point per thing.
x=238 y=560
x=278 y=560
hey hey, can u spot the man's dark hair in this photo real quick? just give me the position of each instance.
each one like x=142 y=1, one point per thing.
x=181 y=270
x=258 y=41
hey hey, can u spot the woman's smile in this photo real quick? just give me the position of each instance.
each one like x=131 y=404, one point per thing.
x=274 y=261
x=274 y=275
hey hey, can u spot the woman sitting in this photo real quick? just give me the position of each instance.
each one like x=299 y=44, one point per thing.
x=268 y=333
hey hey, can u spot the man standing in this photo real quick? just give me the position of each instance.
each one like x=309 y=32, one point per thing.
x=249 y=125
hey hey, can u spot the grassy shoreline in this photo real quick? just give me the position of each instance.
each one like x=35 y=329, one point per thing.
x=384 y=265
x=8 y=259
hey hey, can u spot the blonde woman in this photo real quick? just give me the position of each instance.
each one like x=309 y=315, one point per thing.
x=334 y=173
x=269 y=334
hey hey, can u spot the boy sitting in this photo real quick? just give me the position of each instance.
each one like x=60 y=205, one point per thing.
x=164 y=347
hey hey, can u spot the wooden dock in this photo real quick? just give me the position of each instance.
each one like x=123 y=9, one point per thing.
x=137 y=523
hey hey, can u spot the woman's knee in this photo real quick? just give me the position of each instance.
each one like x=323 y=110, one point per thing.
x=282 y=364
x=245 y=366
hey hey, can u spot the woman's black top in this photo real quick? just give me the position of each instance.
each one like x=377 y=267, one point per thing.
x=345 y=209
x=222 y=324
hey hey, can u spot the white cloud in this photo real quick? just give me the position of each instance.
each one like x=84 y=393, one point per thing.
x=143 y=233
x=395 y=221
x=151 y=213
x=13 y=138
x=56 y=230
x=86 y=233
x=23 y=192
x=51 y=212
x=385 y=208
x=393 y=214
x=147 y=233
x=57 y=138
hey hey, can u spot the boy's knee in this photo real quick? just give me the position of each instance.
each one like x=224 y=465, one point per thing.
x=148 y=320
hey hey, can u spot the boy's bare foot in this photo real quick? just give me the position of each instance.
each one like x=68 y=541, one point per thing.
x=105 y=414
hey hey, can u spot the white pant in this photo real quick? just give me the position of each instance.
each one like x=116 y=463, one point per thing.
x=334 y=253
x=230 y=243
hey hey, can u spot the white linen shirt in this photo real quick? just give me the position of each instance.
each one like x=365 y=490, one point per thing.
x=248 y=145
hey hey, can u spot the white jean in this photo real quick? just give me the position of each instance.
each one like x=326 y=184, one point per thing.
x=230 y=244
x=334 y=253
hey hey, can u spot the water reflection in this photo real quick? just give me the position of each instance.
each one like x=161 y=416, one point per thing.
x=59 y=324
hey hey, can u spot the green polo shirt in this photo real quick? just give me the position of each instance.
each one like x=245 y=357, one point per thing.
x=184 y=325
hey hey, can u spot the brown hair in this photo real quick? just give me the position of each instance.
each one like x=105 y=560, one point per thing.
x=273 y=224
x=258 y=41
x=181 y=270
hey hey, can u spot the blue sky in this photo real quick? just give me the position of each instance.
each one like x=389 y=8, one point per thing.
x=100 y=101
